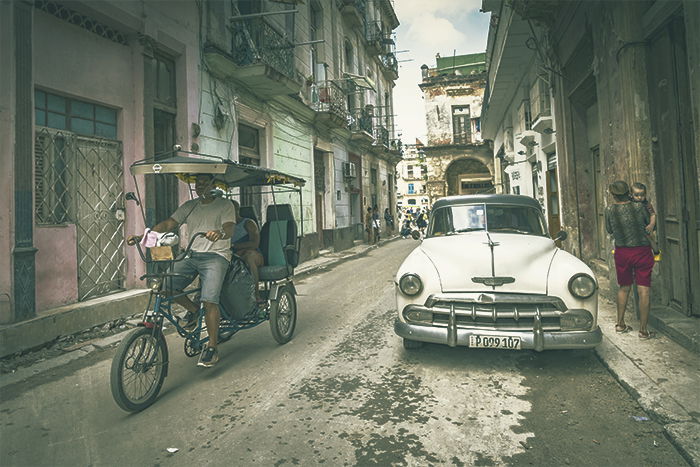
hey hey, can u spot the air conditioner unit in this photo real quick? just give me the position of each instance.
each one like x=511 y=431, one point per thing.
x=349 y=170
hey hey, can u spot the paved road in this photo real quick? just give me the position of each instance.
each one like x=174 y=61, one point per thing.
x=342 y=392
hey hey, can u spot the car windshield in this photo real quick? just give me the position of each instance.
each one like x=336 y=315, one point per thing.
x=451 y=220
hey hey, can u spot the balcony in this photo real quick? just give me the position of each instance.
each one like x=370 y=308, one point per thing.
x=527 y=138
x=390 y=66
x=261 y=58
x=374 y=37
x=541 y=108
x=328 y=100
x=361 y=127
x=381 y=136
x=354 y=11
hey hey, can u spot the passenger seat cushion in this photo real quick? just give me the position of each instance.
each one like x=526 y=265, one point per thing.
x=275 y=247
x=274 y=273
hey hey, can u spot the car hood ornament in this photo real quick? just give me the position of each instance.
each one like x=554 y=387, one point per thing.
x=493 y=281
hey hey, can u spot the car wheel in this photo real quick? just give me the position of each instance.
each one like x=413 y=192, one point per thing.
x=411 y=345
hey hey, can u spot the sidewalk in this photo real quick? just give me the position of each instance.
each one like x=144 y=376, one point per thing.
x=663 y=375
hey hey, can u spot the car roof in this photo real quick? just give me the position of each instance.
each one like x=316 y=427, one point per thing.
x=518 y=200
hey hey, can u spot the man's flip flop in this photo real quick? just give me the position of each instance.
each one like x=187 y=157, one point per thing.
x=647 y=335
x=622 y=329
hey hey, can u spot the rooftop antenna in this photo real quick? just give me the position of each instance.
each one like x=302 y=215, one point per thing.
x=454 y=53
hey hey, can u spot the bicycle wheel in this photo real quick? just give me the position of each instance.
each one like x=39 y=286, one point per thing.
x=139 y=369
x=283 y=315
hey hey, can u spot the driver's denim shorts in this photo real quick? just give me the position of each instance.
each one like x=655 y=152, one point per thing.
x=211 y=268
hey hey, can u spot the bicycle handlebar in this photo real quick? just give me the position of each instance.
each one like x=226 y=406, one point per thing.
x=133 y=241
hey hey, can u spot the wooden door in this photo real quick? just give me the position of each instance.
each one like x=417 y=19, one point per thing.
x=553 y=221
x=677 y=199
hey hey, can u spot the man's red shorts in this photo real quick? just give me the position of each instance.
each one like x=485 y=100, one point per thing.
x=634 y=264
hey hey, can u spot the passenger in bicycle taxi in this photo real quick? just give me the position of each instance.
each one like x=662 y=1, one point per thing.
x=246 y=244
x=210 y=256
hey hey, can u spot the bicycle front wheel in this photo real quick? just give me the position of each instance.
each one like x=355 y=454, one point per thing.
x=139 y=369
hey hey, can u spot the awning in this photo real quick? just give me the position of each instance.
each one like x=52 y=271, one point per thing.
x=360 y=81
x=227 y=174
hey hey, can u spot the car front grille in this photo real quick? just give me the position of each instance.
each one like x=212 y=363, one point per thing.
x=509 y=315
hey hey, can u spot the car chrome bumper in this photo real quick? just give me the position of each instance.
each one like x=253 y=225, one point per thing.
x=536 y=339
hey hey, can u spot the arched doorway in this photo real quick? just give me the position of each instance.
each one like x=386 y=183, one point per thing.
x=468 y=177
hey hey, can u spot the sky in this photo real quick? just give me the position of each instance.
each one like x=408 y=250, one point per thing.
x=429 y=27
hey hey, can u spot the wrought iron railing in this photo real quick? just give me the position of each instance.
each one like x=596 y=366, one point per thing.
x=381 y=136
x=361 y=120
x=360 y=5
x=390 y=63
x=373 y=33
x=327 y=96
x=395 y=145
x=257 y=41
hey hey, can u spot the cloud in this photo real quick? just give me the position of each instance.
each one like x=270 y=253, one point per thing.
x=413 y=10
x=433 y=34
x=429 y=27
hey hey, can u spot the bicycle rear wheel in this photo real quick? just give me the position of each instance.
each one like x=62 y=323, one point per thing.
x=139 y=369
x=283 y=315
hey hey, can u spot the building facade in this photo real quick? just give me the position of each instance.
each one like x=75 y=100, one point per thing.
x=412 y=178
x=91 y=87
x=624 y=93
x=458 y=160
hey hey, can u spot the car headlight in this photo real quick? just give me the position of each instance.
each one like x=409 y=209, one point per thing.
x=410 y=284
x=154 y=283
x=582 y=285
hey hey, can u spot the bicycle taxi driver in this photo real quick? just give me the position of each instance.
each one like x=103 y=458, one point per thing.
x=210 y=256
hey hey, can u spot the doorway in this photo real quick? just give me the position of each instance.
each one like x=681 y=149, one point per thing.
x=676 y=173
x=320 y=190
x=553 y=221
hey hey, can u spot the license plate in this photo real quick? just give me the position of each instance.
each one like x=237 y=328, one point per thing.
x=494 y=342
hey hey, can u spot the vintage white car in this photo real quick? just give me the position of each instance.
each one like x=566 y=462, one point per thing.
x=487 y=275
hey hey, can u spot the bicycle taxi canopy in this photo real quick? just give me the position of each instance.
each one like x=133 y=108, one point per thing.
x=226 y=173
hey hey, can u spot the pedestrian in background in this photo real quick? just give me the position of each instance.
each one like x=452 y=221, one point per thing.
x=368 y=224
x=634 y=260
x=376 y=223
x=389 y=221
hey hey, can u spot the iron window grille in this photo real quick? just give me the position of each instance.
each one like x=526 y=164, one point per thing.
x=82 y=21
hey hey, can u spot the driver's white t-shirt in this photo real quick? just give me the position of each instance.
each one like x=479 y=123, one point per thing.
x=201 y=217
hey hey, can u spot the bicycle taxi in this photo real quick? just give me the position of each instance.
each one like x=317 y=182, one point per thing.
x=141 y=362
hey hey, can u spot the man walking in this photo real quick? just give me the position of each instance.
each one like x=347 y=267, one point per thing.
x=634 y=260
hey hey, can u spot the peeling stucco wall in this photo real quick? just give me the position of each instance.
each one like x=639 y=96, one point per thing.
x=440 y=98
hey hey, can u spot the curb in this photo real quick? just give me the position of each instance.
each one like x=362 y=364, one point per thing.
x=679 y=427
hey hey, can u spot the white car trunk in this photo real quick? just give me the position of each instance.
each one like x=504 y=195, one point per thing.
x=458 y=258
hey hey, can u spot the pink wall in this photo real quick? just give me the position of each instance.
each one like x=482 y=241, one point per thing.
x=56 y=267
x=71 y=61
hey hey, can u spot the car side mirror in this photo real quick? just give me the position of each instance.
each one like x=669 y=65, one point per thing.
x=561 y=236
x=132 y=197
x=415 y=235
